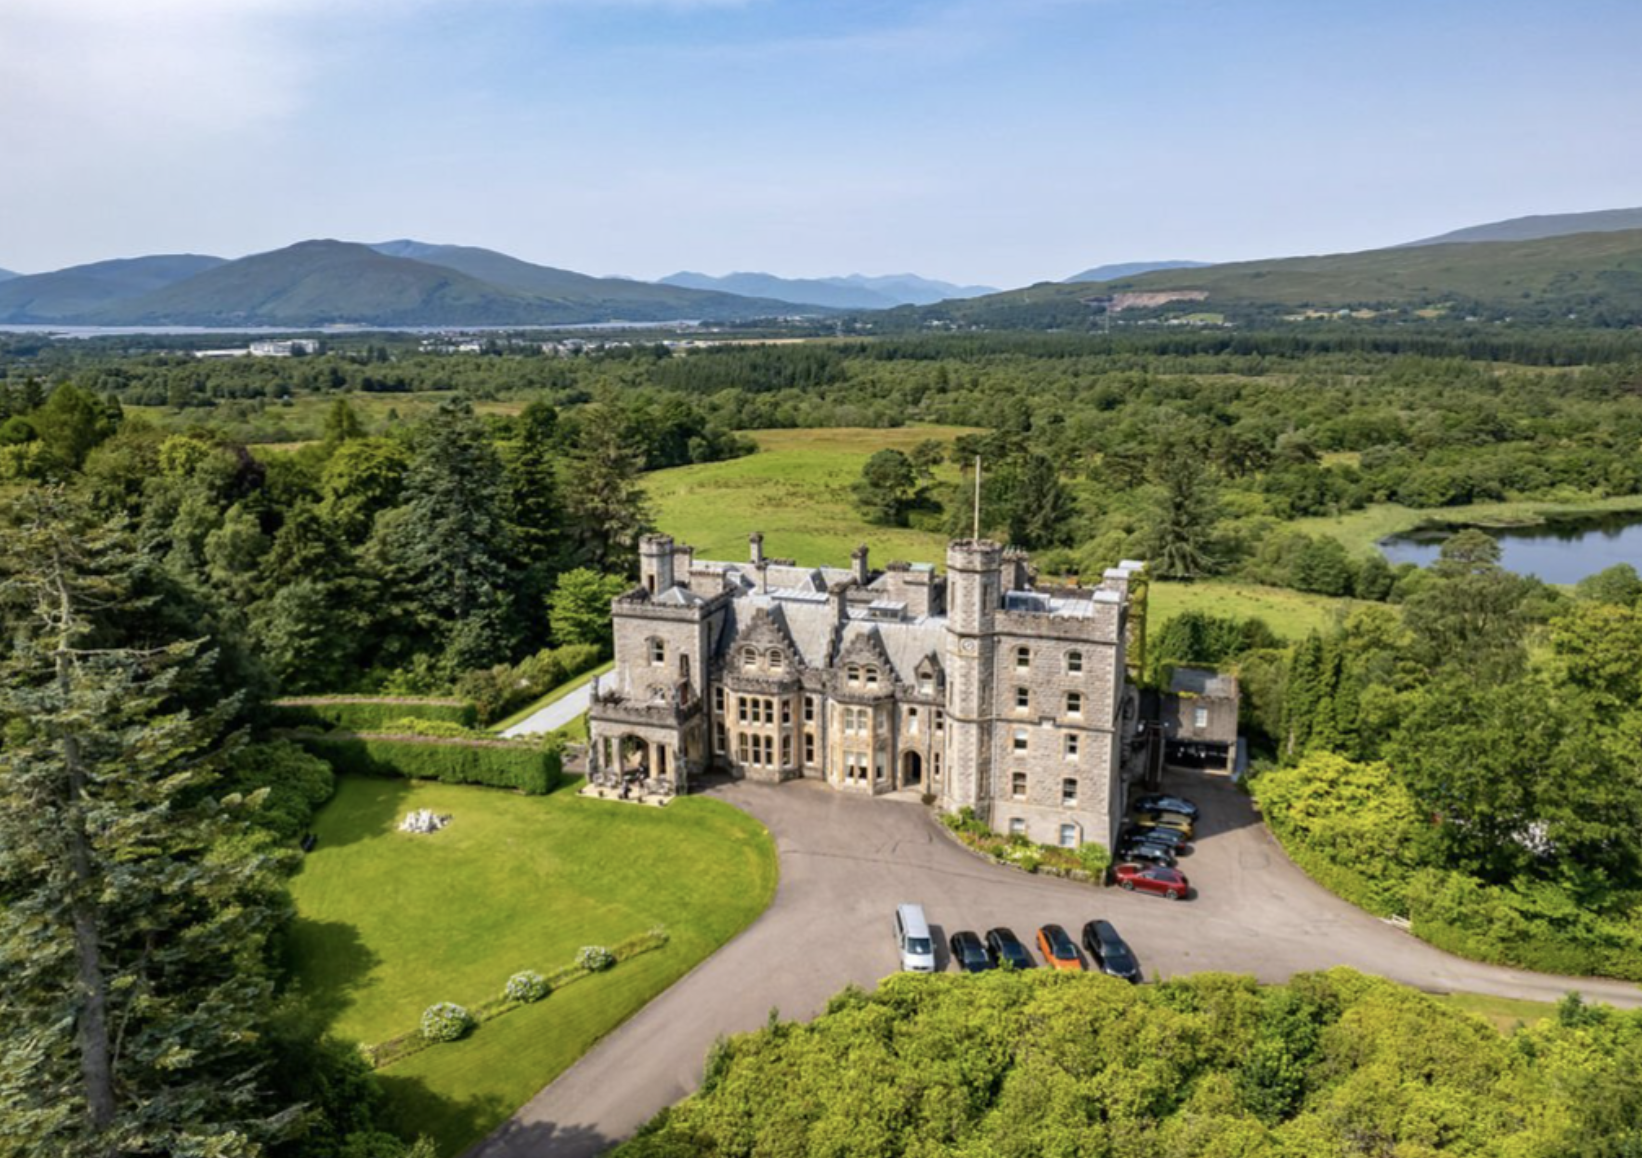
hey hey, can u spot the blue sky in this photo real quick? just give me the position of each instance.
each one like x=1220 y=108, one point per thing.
x=999 y=142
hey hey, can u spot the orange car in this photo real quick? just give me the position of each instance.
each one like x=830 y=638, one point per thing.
x=1058 y=950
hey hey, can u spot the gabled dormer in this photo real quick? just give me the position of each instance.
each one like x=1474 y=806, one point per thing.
x=863 y=667
x=764 y=648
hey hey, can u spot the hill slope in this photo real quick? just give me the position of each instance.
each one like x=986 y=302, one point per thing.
x=1131 y=269
x=1596 y=277
x=67 y=294
x=7 y=275
x=609 y=297
x=1544 y=225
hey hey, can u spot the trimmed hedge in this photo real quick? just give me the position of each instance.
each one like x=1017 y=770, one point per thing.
x=533 y=769
x=369 y=713
x=498 y=692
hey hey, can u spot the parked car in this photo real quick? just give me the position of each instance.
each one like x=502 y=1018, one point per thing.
x=1006 y=949
x=1153 y=852
x=1169 y=837
x=968 y=954
x=1163 y=802
x=913 y=939
x=1172 y=820
x=1058 y=950
x=1110 y=951
x=1153 y=878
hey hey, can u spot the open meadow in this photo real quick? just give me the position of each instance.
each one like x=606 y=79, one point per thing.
x=389 y=923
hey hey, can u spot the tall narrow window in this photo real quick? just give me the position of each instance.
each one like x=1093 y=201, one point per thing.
x=809 y=747
x=741 y=709
x=1021 y=743
x=749 y=659
x=809 y=709
x=1074 y=663
x=872 y=677
x=1069 y=792
x=1023 y=700
x=1017 y=785
x=718 y=699
x=1074 y=703
x=1023 y=658
x=786 y=711
x=940 y=720
x=658 y=651
x=1200 y=717
x=776 y=661
x=1072 y=747
x=852 y=675
x=786 y=750
x=1068 y=836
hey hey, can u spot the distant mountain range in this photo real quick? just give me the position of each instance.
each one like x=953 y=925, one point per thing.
x=1533 y=228
x=1130 y=269
x=396 y=283
x=7 y=275
x=855 y=292
x=1593 y=277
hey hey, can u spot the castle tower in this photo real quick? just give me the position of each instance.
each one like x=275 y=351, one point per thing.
x=656 y=563
x=973 y=598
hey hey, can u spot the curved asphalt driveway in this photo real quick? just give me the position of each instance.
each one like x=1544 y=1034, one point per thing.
x=846 y=862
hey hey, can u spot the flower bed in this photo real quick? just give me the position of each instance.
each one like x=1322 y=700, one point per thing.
x=1088 y=863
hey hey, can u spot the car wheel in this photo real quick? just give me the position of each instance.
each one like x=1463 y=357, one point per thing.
x=1129 y=885
x=1171 y=894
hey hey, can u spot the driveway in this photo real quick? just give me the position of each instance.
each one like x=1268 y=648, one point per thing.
x=846 y=862
x=556 y=715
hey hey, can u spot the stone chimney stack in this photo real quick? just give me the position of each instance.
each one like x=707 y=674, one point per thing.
x=656 y=563
x=858 y=564
x=755 y=547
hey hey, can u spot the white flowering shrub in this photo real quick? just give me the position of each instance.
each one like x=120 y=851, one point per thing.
x=525 y=987
x=445 y=1021
x=595 y=958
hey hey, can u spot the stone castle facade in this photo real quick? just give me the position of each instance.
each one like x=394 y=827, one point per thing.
x=973 y=688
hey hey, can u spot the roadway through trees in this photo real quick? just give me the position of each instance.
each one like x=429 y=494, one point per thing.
x=847 y=861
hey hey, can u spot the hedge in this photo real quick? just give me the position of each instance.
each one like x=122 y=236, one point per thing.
x=369 y=713
x=499 y=691
x=533 y=769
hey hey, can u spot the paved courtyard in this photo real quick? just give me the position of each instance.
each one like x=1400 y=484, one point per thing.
x=847 y=862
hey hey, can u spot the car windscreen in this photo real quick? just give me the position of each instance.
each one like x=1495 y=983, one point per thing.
x=919 y=945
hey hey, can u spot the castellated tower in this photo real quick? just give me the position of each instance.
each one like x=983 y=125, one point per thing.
x=973 y=598
x=656 y=563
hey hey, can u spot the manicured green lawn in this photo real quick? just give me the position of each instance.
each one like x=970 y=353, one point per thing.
x=1361 y=530
x=388 y=923
x=796 y=490
x=1503 y=1012
x=1291 y=614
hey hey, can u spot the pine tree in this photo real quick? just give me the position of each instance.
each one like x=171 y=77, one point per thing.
x=605 y=504
x=133 y=939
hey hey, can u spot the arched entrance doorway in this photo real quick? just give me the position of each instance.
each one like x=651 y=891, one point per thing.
x=912 y=770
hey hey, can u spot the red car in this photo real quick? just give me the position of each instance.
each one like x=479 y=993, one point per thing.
x=1153 y=878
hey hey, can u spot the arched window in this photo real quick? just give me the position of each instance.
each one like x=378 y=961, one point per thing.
x=852 y=675
x=776 y=660
x=749 y=659
x=1074 y=663
x=872 y=677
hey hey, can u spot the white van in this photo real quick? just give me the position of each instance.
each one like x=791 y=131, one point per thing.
x=913 y=940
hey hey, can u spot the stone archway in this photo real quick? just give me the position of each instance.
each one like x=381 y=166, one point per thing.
x=912 y=770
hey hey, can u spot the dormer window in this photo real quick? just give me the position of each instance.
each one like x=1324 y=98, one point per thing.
x=776 y=660
x=658 y=652
x=926 y=683
x=852 y=675
x=1074 y=663
x=749 y=659
x=872 y=677
x=1023 y=659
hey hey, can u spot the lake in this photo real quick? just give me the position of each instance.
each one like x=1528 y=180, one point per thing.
x=1563 y=550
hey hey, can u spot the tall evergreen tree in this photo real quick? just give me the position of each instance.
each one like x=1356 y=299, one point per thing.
x=133 y=938
x=1183 y=523
x=606 y=507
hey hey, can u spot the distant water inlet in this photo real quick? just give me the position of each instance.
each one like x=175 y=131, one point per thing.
x=1559 y=550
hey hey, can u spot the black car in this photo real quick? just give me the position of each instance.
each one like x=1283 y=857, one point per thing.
x=1163 y=802
x=1169 y=837
x=968 y=954
x=1006 y=949
x=1109 y=951
x=1150 y=851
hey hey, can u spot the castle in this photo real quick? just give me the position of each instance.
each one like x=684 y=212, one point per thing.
x=971 y=689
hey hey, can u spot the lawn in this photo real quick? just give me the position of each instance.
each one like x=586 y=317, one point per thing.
x=1361 y=530
x=1504 y=1013
x=577 y=730
x=388 y=923
x=1291 y=614
x=796 y=490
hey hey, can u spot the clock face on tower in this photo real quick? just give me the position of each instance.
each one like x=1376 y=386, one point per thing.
x=967 y=646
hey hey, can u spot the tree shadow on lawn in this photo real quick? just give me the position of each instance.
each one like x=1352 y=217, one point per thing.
x=374 y=807
x=459 y=1126
x=343 y=960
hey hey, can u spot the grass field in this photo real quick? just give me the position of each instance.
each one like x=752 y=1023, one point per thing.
x=1291 y=614
x=389 y=923
x=796 y=490
x=1504 y=1012
x=1361 y=530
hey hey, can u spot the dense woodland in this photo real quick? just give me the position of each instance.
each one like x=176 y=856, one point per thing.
x=1463 y=750
x=1203 y=1066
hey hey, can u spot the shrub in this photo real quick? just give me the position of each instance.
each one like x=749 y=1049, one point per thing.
x=533 y=769
x=526 y=987
x=445 y=1021
x=499 y=691
x=297 y=783
x=441 y=729
x=1094 y=858
x=369 y=713
x=594 y=958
